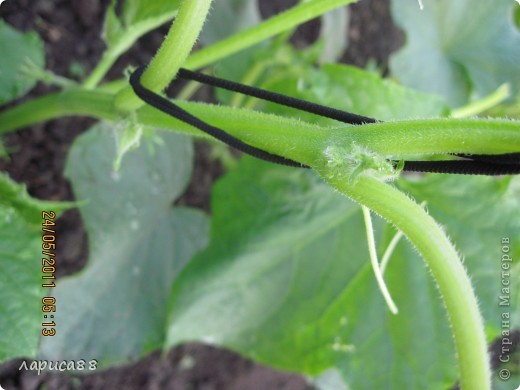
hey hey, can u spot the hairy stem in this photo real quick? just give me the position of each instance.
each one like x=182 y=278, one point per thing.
x=124 y=42
x=432 y=136
x=172 y=54
x=442 y=258
x=298 y=140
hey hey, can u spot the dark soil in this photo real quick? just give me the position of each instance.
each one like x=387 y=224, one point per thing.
x=71 y=31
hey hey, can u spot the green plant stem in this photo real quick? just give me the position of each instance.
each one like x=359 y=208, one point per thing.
x=390 y=250
x=108 y=59
x=282 y=22
x=295 y=139
x=433 y=136
x=302 y=141
x=443 y=260
x=172 y=54
x=484 y=104
x=31 y=70
x=70 y=102
x=185 y=30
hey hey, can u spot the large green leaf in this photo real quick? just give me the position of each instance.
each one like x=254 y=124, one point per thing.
x=18 y=49
x=457 y=48
x=115 y=309
x=286 y=279
x=21 y=288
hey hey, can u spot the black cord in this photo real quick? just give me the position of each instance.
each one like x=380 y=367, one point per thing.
x=462 y=167
x=504 y=164
x=284 y=100
x=509 y=158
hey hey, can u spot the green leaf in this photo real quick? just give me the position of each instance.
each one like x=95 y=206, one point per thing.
x=330 y=380
x=286 y=278
x=457 y=50
x=21 y=288
x=113 y=28
x=15 y=195
x=351 y=89
x=128 y=136
x=500 y=384
x=137 y=18
x=115 y=309
x=18 y=49
x=139 y=11
x=268 y=228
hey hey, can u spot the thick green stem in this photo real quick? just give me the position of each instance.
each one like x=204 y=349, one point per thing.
x=431 y=136
x=124 y=41
x=172 y=54
x=305 y=142
x=443 y=260
x=297 y=140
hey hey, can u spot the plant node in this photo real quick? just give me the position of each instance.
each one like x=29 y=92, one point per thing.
x=359 y=160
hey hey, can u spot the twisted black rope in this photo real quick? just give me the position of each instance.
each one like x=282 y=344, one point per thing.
x=504 y=164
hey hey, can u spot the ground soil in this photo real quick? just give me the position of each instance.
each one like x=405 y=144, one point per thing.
x=71 y=31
